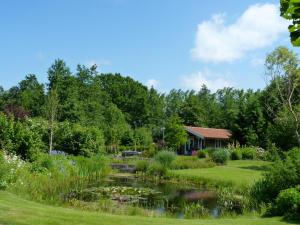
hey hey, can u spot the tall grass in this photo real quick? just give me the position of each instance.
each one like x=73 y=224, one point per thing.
x=62 y=177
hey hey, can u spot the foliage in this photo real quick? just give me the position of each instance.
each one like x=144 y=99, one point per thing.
x=248 y=153
x=157 y=169
x=19 y=138
x=175 y=133
x=230 y=202
x=282 y=175
x=287 y=203
x=220 y=156
x=142 y=165
x=236 y=154
x=50 y=178
x=78 y=140
x=201 y=154
x=289 y=9
x=165 y=158
x=10 y=167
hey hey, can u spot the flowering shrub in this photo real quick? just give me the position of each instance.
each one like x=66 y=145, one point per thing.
x=10 y=166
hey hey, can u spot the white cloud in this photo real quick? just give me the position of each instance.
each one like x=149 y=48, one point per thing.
x=257 y=61
x=152 y=83
x=99 y=62
x=212 y=81
x=259 y=26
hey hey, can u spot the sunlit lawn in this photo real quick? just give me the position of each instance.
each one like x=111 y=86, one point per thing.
x=17 y=211
x=239 y=172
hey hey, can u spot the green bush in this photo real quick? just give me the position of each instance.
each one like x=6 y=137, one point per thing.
x=283 y=174
x=288 y=203
x=79 y=140
x=157 y=169
x=20 y=137
x=249 y=153
x=201 y=154
x=142 y=165
x=165 y=158
x=191 y=162
x=220 y=156
x=236 y=154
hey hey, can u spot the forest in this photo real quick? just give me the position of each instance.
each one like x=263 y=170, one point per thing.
x=86 y=112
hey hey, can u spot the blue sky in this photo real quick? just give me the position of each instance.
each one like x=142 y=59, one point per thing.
x=165 y=43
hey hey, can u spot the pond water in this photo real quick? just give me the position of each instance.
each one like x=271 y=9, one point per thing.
x=164 y=197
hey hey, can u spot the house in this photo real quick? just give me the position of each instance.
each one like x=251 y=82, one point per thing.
x=201 y=138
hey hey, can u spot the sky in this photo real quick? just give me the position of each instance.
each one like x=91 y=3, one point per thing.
x=162 y=43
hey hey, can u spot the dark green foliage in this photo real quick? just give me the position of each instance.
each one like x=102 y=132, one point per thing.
x=236 y=154
x=201 y=154
x=79 y=140
x=282 y=175
x=220 y=156
x=248 y=153
x=165 y=158
x=288 y=203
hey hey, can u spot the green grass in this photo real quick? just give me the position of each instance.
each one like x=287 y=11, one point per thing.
x=237 y=173
x=17 y=211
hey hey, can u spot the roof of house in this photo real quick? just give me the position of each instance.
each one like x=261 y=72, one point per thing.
x=209 y=132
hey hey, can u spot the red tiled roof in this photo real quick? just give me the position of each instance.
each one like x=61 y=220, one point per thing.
x=210 y=132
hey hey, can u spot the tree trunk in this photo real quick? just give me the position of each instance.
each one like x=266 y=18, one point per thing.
x=298 y=137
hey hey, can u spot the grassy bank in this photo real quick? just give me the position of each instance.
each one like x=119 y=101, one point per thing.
x=17 y=211
x=237 y=173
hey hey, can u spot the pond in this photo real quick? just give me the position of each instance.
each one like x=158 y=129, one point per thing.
x=164 y=198
x=172 y=198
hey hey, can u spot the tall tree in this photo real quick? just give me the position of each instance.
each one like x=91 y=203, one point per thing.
x=51 y=113
x=282 y=70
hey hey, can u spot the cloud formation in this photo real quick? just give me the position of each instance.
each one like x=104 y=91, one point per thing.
x=259 y=26
x=206 y=77
x=152 y=83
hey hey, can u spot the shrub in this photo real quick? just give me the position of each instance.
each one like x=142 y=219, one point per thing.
x=150 y=151
x=249 y=153
x=165 y=158
x=157 y=169
x=283 y=174
x=191 y=162
x=288 y=203
x=236 y=154
x=201 y=154
x=142 y=165
x=220 y=156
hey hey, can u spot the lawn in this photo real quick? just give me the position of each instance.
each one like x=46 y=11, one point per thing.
x=238 y=173
x=17 y=211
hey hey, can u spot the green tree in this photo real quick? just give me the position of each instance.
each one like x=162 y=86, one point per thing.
x=290 y=10
x=176 y=134
x=282 y=71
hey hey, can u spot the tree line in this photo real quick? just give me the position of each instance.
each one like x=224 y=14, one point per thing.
x=83 y=111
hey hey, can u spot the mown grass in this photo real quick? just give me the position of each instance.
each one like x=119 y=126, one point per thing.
x=17 y=211
x=239 y=173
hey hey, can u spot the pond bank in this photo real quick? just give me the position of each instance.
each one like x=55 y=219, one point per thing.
x=17 y=211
